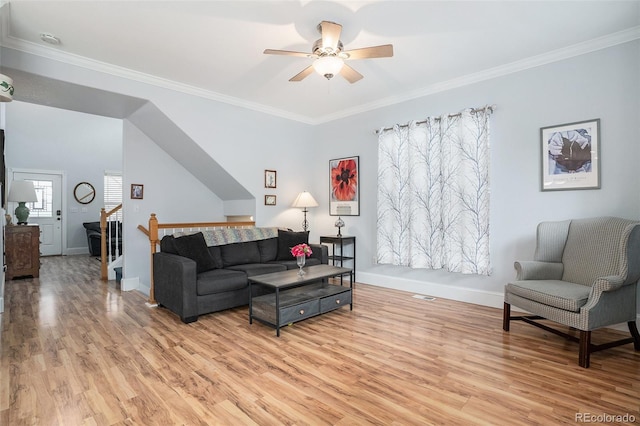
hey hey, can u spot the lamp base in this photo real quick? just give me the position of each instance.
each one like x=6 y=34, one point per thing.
x=305 y=222
x=22 y=213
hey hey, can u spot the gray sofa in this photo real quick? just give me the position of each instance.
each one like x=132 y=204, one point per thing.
x=208 y=272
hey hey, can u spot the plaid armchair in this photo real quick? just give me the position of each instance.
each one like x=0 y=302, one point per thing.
x=584 y=275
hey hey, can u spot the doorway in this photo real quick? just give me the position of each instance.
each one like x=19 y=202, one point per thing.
x=47 y=211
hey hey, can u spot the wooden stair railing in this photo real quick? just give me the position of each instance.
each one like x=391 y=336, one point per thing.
x=153 y=233
x=104 y=215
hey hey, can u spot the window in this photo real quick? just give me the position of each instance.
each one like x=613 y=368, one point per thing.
x=113 y=192
x=44 y=206
x=433 y=193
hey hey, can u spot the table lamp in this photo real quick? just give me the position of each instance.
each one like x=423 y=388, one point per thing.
x=305 y=200
x=339 y=224
x=21 y=192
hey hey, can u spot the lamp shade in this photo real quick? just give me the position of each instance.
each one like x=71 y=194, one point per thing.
x=6 y=88
x=22 y=191
x=304 y=200
x=328 y=66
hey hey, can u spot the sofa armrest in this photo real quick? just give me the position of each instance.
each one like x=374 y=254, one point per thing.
x=174 y=280
x=320 y=252
x=535 y=270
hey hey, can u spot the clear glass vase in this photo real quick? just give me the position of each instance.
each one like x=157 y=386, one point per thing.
x=301 y=260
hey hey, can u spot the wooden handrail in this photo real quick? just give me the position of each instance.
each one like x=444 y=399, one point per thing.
x=114 y=210
x=152 y=233
x=205 y=225
x=144 y=230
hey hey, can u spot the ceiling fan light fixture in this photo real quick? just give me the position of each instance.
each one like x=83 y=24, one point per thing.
x=328 y=66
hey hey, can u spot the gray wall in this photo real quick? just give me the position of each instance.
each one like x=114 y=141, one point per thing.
x=81 y=145
x=603 y=84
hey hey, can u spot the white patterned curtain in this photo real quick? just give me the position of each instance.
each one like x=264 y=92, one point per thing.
x=433 y=193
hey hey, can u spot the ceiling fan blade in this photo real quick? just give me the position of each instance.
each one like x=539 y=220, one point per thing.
x=384 y=51
x=287 y=53
x=302 y=74
x=350 y=74
x=330 y=34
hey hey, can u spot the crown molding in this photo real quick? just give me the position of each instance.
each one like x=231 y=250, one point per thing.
x=604 y=42
x=103 y=67
x=593 y=45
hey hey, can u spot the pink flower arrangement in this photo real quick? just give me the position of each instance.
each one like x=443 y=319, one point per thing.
x=301 y=250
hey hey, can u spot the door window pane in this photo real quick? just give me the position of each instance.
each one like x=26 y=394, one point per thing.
x=44 y=206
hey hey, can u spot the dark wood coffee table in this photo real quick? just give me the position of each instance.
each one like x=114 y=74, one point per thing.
x=296 y=297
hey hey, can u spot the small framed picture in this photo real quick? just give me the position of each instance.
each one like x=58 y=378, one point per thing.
x=137 y=191
x=570 y=156
x=269 y=178
x=269 y=200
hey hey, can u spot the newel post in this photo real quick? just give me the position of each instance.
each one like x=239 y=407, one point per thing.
x=103 y=244
x=153 y=240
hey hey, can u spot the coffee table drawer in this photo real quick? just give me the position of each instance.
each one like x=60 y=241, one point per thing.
x=264 y=308
x=335 y=301
x=299 y=312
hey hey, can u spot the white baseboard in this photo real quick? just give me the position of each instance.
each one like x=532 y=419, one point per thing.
x=128 y=284
x=462 y=294
x=74 y=251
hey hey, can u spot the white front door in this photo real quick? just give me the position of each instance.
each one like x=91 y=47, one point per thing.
x=47 y=211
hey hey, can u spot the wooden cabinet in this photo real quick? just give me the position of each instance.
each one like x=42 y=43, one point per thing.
x=22 y=250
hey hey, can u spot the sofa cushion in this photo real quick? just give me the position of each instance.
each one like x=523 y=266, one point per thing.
x=95 y=226
x=167 y=245
x=252 y=269
x=288 y=239
x=240 y=253
x=194 y=247
x=217 y=256
x=92 y=226
x=220 y=281
x=268 y=249
x=555 y=293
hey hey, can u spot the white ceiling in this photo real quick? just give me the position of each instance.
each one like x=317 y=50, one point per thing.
x=214 y=48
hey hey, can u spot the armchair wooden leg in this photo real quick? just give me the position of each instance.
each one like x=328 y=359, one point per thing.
x=636 y=336
x=506 y=316
x=585 y=348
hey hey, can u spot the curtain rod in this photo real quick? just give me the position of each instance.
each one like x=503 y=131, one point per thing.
x=489 y=107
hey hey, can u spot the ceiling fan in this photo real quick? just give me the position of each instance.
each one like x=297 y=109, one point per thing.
x=329 y=55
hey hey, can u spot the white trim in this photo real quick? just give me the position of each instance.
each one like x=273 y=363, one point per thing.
x=81 y=61
x=76 y=251
x=499 y=71
x=461 y=294
x=128 y=284
x=599 y=43
x=63 y=184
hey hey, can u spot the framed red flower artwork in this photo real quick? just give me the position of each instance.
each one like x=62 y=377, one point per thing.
x=344 y=187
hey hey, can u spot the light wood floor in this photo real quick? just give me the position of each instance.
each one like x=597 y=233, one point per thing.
x=77 y=351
